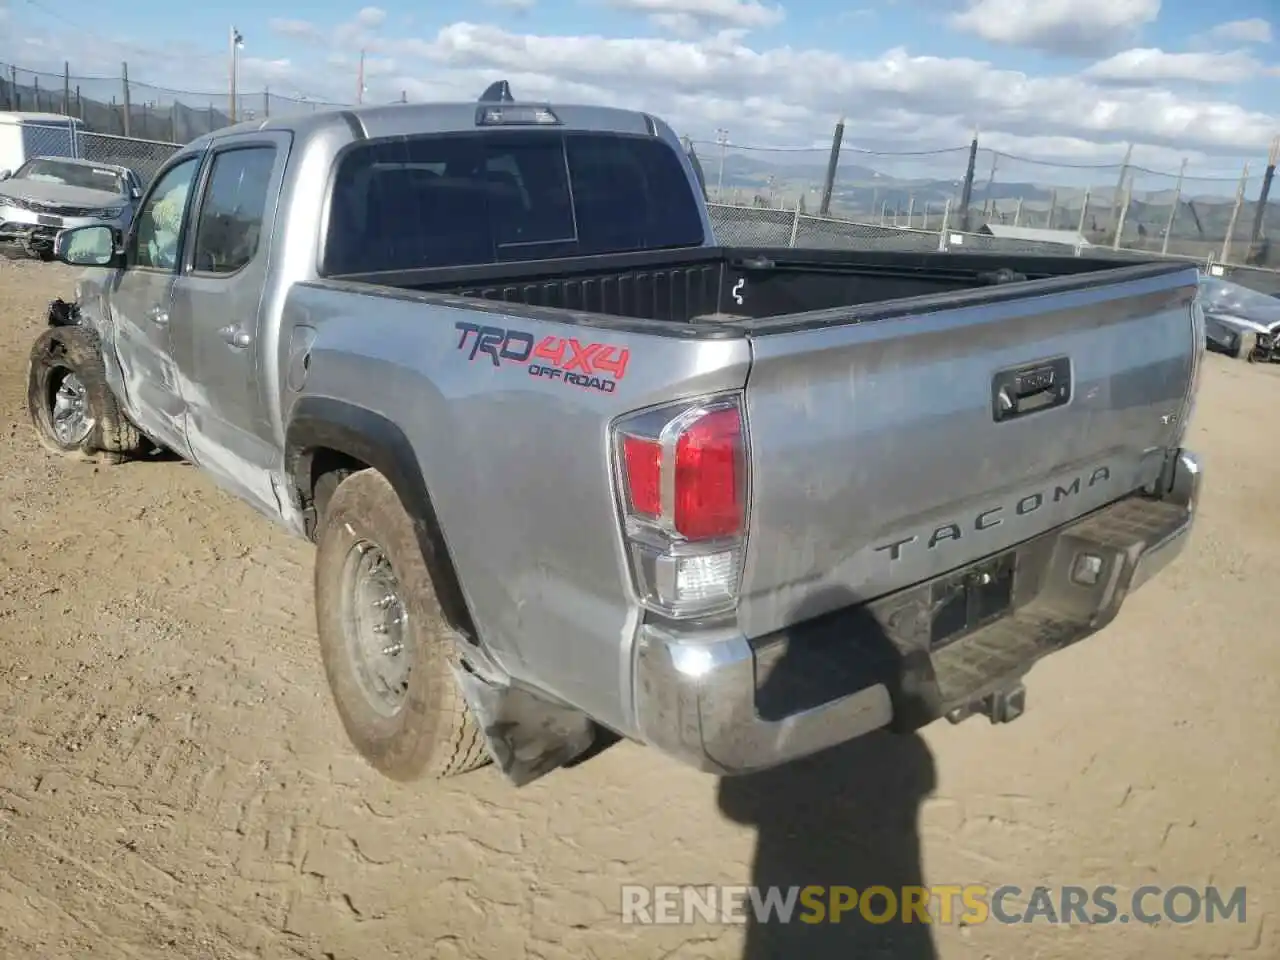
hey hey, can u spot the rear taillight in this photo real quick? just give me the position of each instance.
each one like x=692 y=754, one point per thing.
x=683 y=485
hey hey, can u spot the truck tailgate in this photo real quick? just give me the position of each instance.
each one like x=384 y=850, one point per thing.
x=887 y=452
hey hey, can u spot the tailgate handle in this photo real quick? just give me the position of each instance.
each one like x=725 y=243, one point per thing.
x=1019 y=391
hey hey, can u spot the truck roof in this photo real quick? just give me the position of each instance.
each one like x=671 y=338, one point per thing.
x=399 y=119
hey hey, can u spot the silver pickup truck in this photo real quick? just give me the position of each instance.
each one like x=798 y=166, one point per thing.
x=575 y=471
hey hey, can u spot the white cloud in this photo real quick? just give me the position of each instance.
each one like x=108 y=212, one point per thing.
x=747 y=14
x=371 y=17
x=519 y=6
x=1143 y=65
x=300 y=29
x=1079 y=27
x=898 y=100
x=894 y=92
x=677 y=24
x=1254 y=30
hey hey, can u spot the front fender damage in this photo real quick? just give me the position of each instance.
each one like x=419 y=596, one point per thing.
x=527 y=736
x=63 y=314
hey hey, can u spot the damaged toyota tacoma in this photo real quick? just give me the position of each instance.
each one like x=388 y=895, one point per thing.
x=576 y=471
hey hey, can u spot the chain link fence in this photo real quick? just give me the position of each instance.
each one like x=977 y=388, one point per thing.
x=753 y=226
x=70 y=139
x=121 y=107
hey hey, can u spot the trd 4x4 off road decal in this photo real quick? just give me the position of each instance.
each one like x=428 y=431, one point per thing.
x=592 y=366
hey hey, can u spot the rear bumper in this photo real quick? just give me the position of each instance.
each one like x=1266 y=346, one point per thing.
x=732 y=705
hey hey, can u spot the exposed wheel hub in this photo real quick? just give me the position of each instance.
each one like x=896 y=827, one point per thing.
x=376 y=624
x=69 y=410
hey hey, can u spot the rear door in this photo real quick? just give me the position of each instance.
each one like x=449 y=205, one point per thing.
x=887 y=452
x=217 y=339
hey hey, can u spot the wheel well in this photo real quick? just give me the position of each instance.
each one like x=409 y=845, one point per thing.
x=327 y=463
x=319 y=463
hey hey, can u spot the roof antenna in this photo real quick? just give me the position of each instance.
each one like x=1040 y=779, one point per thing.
x=498 y=92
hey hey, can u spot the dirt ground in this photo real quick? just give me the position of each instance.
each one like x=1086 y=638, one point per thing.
x=174 y=782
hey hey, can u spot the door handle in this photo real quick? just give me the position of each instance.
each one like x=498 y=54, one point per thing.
x=236 y=336
x=158 y=315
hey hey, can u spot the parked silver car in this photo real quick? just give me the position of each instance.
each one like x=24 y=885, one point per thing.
x=1238 y=321
x=49 y=194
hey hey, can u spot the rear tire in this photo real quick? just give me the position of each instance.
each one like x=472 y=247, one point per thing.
x=385 y=643
x=72 y=408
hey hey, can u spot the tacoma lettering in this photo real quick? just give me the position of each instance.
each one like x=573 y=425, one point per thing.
x=994 y=516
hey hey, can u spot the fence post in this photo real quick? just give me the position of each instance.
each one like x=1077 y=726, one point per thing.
x=795 y=226
x=1260 y=213
x=1124 y=176
x=1235 y=215
x=1053 y=209
x=966 y=193
x=13 y=88
x=79 y=103
x=66 y=88
x=1017 y=214
x=266 y=102
x=987 y=204
x=173 y=121
x=946 y=225
x=1084 y=212
x=833 y=162
x=124 y=79
x=1124 y=213
x=911 y=210
x=1173 y=210
x=35 y=89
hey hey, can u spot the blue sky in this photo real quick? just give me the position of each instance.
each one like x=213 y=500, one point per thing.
x=1075 y=80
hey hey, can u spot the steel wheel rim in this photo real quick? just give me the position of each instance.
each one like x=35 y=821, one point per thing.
x=69 y=411
x=376 y=627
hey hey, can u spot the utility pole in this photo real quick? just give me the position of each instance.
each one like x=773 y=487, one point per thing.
x=360 y=80
x=237 y=41
x=722 y=138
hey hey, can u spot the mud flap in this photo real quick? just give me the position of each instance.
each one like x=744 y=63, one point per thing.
x=526 y=736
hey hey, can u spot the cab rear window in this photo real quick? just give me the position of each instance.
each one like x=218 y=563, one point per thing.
x=495 y=197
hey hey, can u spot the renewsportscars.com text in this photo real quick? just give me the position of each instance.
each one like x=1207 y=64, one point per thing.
x=967 y=904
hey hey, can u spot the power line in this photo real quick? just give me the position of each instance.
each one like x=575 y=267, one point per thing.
x=121 y=44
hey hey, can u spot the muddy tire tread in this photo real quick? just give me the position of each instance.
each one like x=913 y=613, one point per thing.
x=436 y=736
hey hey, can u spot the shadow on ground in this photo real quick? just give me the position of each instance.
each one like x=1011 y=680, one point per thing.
x=846 y=817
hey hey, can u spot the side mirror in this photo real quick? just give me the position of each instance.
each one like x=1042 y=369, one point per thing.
x=5 y=174
x=135 y=193
x=92 y=246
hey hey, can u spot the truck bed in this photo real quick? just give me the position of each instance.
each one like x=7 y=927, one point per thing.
x=760 y=288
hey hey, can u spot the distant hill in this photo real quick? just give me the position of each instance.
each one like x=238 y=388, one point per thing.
x=861 y=192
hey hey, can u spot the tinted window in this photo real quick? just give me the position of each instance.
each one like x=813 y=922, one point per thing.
x=235 y=203
x=441 y=201
x=630 y=193
x=160 y=219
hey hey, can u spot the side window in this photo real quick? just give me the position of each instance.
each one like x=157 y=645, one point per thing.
x=229 y=228
x=160 y=218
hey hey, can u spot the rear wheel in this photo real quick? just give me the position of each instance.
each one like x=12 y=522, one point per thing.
x=71 y=406
x=386 y=645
